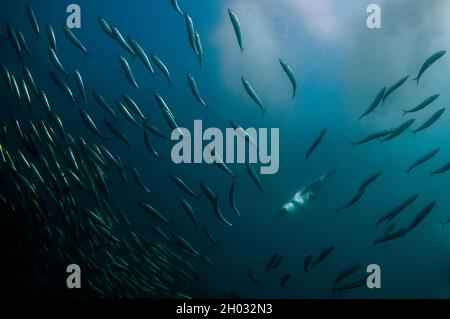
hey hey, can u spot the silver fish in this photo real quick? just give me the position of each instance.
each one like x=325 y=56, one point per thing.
x=32 y=19
x=75 y=41
x=287 y=69
x=237 y=28
x=80 y=85
x=251 y=92
x=127 y=70
x=55 y=60
x=162 y=67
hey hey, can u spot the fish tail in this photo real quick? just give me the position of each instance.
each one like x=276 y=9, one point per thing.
x=416 y=79
x=405 y=112
x=430 y=174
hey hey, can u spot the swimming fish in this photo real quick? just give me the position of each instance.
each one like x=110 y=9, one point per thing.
x=251 y=92
x=236 y=27
x=346 y=273
x=105 y=26
x=113 y=129
x=252 y=277
x=162 y=67
x=80 y=85
x=372 y=137
x=398 y=130
x=102 y=102
x=433 y=118
x=355 y=199
x=194 y=89
x=90 y=124
x=32 y=19
x=142 y=55
x=219 y=212
x=56 y=62
x=183 y=186
x=441 y=169
x=287 y=69
x=74 y=40
x=191 y=32
x=394 y=87
x=251 y=171
x=63 y=86
x=421 y=215
x=121 y=40
x=398 y=209
x=369 y=180
x=51 y=37
x=375 y=103
x=422 y=104
x=189 y=210
x=231 y=198
x=127 y=70
x=285 y=279
x=423 y=159
x=316 y=143
x=199 y=47
x=324 y=254
x=392 y=235
x=176 y=7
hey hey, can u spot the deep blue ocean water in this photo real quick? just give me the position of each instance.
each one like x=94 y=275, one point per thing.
x=339 y=67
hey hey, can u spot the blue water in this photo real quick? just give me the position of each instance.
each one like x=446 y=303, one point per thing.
x=338 y=77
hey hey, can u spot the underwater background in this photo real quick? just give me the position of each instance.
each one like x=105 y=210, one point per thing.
x=340 y=65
